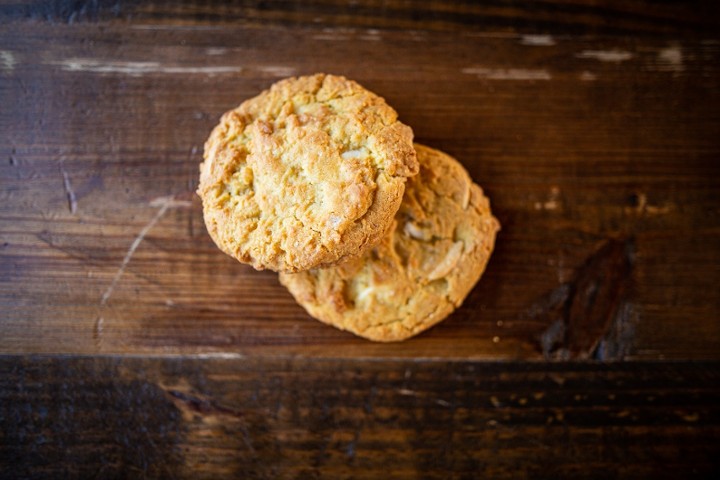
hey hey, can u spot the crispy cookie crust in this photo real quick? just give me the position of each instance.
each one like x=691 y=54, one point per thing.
x=422 y=269
x=307 y=173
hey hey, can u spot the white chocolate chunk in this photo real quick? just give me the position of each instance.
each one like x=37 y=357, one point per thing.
x=466 y=196
x=372 y=291
x=416 y=232
x=448 y=263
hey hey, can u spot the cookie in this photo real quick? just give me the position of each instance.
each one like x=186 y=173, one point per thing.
x=308 y=173
x=421 y=271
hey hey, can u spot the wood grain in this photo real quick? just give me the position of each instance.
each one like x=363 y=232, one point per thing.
x=313 y=418
x=644 y=17
x=580 y=140
x=594 y=128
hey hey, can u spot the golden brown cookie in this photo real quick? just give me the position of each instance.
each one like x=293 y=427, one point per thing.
x=422 y=269
x=307 y=173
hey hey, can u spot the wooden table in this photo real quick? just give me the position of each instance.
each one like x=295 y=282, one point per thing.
x=132 y=347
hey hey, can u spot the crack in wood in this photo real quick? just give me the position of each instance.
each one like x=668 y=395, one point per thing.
x=206 y=408
x=69 y=192
x=202 y=405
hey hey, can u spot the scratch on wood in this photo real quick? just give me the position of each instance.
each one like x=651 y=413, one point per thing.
x=335 y=34
x=8 y=60
x=507 y=73
x=219 y=355
x=72 y=199
x=137 y=68
x=169 y=201
x=133 y=246
x=329 y=37
x=176 y=27
x=164 y=203
x=553 y=201
x=216 y=51
x=537 y=40
x=614 y=56
x=642 y=207
x=406 y=392
x=372 y=35
x=98 y=330
x=277 y=71
x=670 y=60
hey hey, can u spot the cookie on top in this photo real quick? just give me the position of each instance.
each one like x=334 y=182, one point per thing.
x=308 y=173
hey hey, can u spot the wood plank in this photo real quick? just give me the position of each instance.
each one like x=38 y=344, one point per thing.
x=580 y=141
x=312 y=418
x=639 y=17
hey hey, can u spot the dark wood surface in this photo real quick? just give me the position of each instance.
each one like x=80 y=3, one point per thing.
x=209 y=418
x=593 y=127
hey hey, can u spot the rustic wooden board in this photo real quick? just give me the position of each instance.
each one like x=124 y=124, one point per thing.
x=594 y=127
x=217 y=418
x=599 y=152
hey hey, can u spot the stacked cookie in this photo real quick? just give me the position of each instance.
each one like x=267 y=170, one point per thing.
x=317 y=179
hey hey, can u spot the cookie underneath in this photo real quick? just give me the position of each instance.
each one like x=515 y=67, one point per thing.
x=423 y=268
x=305 y=174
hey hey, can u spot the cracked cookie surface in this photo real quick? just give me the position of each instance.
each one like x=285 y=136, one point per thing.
x=308 y=173
x=421 y=271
